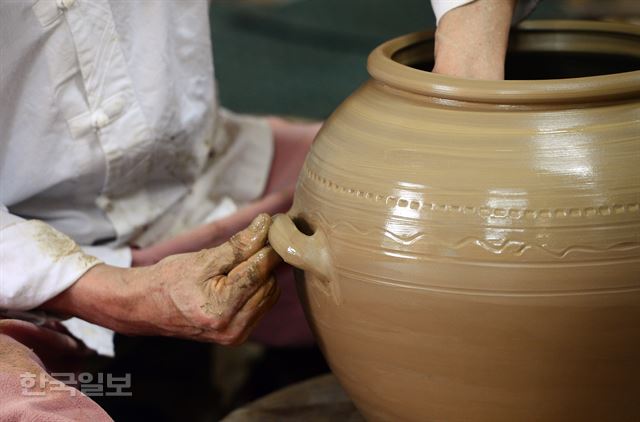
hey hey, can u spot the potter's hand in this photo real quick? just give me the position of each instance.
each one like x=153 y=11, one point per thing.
x=471 y=40
x=213 y=295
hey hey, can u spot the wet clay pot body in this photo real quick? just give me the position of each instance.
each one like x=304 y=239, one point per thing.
x=471 y=249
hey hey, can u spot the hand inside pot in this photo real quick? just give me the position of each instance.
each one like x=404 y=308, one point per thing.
x=471 y=40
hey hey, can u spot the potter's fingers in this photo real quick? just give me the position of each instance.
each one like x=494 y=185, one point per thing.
x=241 y=246
x=252 y=312
x=268 y=302
x=228 y=294
x=255 y=271
x=259 y=303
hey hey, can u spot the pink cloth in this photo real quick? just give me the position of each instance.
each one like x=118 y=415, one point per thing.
x=285 y=324
x=53 y=402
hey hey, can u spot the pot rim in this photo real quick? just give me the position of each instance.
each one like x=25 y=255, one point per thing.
x=383 y=68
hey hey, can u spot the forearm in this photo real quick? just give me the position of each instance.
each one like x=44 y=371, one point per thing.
x=471 y=40
x=104 y=295
x=211 y=295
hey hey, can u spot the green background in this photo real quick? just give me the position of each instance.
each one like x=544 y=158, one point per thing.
x=303 y=57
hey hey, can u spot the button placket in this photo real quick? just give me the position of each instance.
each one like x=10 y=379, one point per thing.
x=136 y=188
x=115 y=117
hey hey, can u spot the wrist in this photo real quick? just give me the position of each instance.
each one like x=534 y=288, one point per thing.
x=101 y=296
x=471 y=40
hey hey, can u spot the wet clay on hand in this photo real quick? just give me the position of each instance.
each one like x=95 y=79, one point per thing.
x=235 y=283
x=471 y=249
x=216 y=294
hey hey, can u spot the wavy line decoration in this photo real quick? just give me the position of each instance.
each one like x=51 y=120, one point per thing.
x=518 y=248
x=507 y=247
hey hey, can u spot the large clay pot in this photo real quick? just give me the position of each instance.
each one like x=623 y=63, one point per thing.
x=471 y=249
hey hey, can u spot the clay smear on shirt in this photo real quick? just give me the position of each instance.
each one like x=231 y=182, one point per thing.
x=58 y=245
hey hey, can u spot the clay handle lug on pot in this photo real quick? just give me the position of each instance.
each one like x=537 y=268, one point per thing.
x=308 y=253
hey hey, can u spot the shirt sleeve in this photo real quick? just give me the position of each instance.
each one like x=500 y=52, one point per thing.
x=523 y=8
x=37 y=262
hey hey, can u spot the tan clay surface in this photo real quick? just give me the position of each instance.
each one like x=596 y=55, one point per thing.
x=476 y=247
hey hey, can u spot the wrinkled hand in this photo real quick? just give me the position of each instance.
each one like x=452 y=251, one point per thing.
x=214 y=295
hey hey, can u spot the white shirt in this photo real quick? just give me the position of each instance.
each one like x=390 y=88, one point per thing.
x=440 y=7
x=110 y=131
x=108 y=120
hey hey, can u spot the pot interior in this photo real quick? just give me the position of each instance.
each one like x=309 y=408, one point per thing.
x=537 y=55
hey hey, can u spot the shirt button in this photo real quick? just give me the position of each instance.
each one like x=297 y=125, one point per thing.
x=64 y=4
x=99 y=119
x=104 y=203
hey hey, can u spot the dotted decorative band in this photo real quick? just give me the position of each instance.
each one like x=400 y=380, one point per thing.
x=513 y=213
